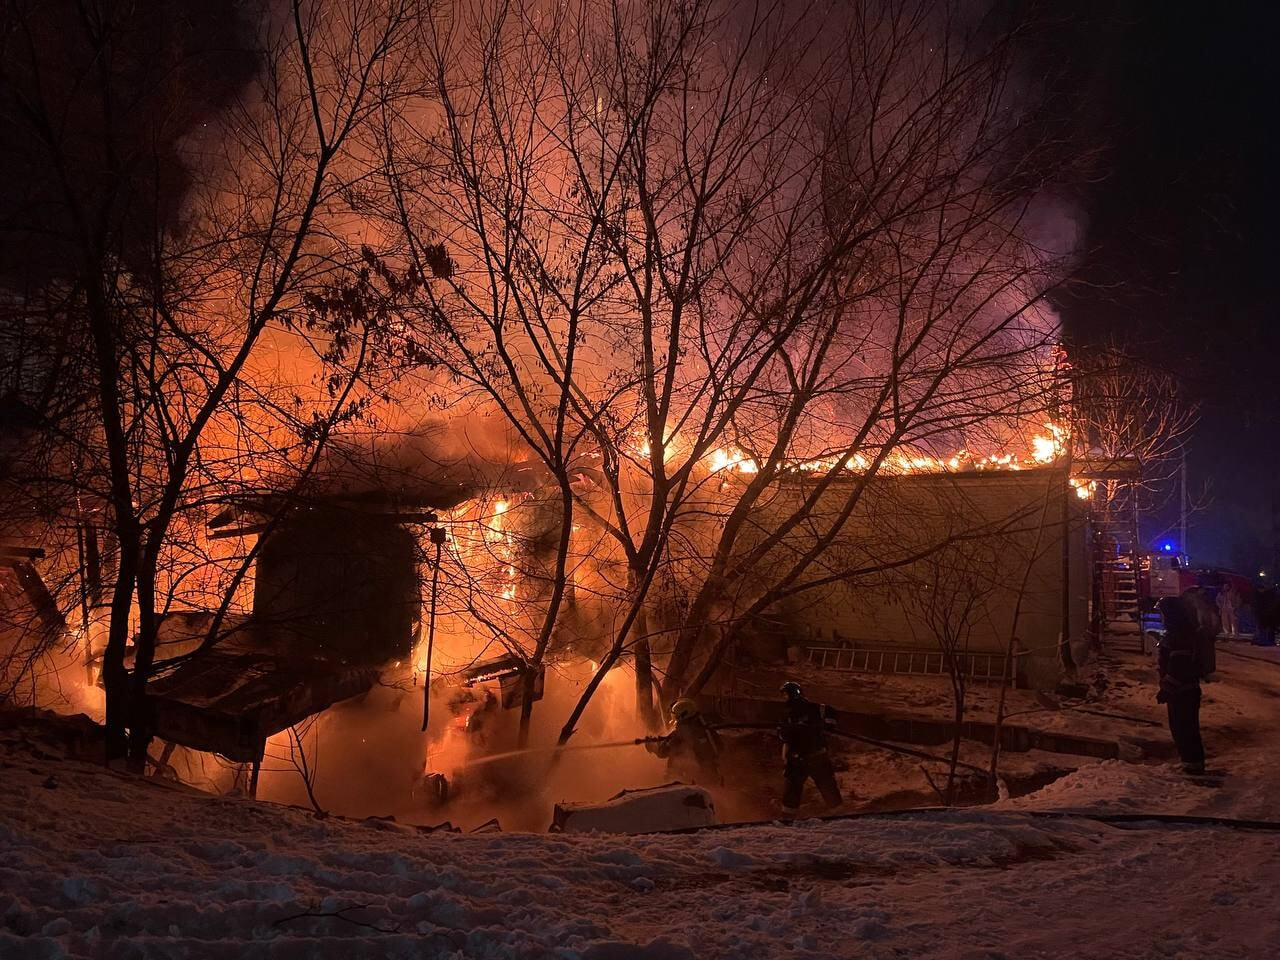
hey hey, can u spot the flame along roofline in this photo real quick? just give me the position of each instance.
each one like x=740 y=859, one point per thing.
x=1063 y=468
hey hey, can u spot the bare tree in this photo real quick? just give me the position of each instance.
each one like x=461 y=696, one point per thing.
x=1126 y=409
x=949 y=599
x=176 y=298
x=1132 y=422
x=1009 y=673
x=718 y=265
x=307 y=767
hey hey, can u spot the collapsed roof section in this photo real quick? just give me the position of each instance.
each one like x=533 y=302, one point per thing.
x=230 y=700
x=24 y=597
x=336 y=598
x=252 y=514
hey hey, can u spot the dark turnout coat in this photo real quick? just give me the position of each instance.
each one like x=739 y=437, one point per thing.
x=803 y=730
x=804 y=734
x=692 y=750
x=1181 y=667
x=1178 y=657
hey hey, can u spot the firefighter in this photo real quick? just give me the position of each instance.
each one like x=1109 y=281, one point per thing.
x=478 y=717
x=692 y=748
x=1180 y=671
x=804 y=734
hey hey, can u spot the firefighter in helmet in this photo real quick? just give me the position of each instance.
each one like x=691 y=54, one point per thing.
x=803 y=732
x=692 y=748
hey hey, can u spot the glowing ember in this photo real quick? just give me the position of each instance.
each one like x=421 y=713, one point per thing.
x=1084 y=488
x=733 y=458
x=644 y=449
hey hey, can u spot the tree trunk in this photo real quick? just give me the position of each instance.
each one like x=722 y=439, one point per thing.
x=957 y=694
x=998 y=735
x=140 y=725
x=559 y=588
x=527 y=684
x=162 y=764
x=726 y=637
x=955 y=746
x=645 y=712
x=688 y=638
x=1068 y=659
x=115 y=678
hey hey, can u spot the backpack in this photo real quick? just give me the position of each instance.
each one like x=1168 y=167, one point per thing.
x=1205 y=651
x=1208 y=624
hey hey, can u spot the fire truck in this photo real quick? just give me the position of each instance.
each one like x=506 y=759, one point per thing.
x=1169 y=573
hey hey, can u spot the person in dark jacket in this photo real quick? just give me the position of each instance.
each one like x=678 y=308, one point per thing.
x=692 y=749
x=1180 y=670
x=1266 y=614
x=804 y=733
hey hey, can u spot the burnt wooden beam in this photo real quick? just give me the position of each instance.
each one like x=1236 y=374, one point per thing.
x=10 y=551
x=41 y=599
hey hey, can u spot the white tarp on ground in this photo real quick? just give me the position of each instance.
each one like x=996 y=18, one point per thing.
x=674 y=806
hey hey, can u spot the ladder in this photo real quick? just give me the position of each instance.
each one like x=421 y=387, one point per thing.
x=975 y=666
x=1117 y=593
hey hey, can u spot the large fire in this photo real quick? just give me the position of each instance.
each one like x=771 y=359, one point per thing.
x=1043 y=448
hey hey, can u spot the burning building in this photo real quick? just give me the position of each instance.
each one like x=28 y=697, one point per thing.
x=971 y=564
x=778 y=291
x=985 y=571
x=335 y=601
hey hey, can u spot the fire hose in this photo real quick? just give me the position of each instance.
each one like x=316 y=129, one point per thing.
x=870 y=741
x=640 y=741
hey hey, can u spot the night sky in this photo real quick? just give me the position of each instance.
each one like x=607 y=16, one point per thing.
x=1180 y=251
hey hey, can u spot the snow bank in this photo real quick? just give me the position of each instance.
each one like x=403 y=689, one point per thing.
x=1112 y=786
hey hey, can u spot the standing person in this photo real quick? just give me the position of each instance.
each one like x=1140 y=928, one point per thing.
x=804 y=733
x=692 y=748
x=1266 y=614
x=1180 y=671
x=1229 y=608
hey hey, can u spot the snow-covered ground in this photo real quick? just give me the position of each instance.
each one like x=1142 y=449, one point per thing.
x=1240 y=719
x=97 y=864
x=1241 y=648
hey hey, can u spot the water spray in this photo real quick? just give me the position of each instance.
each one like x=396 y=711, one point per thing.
x=538 y=751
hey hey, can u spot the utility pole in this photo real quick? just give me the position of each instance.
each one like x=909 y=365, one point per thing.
x=1182 y=527
x=1275 y=534
x=437 y=539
